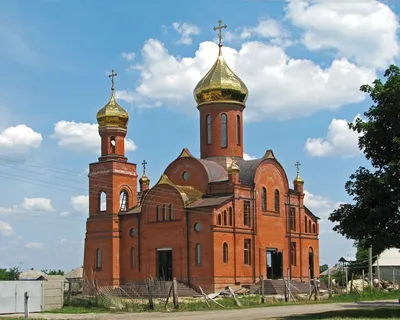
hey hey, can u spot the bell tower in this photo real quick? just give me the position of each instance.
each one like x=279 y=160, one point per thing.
x=221 y=97
x=112 y=189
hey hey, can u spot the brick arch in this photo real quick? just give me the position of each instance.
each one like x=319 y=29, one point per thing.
x=198 y=175
x=275 y=164
x=128 y=189
x=159 y=195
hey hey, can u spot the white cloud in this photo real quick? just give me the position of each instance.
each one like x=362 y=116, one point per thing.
x=65 y=214
x=266 y=28
x=34 y=245
x=365 y=31
x=30 y=205
x=19 y=138
x=80 y=203
x=128 y=56
x=82 y=137
x=5 y=229
x=340 y=141
x=186 y=30
x=248 y=157
x=280 y=87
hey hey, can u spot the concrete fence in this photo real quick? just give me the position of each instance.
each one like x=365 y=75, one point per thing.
x=43 y=295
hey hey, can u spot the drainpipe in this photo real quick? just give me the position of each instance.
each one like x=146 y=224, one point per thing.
x=187 y=248
x=234 y=235
x=301 y=242
x=139 y=224
x=254 y=233
x=290 y=237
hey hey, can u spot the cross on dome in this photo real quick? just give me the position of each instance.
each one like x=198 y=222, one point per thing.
x=297 y=165
x=112 y=75
x=219 y=28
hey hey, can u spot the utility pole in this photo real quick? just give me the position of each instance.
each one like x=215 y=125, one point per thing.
x=370 y=266
x=378 y=272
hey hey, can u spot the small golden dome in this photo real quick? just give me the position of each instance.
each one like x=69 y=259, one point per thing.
x=298 y=179
x=112 y=115
x=144 y=178
x=221 y=85
x=233 y=167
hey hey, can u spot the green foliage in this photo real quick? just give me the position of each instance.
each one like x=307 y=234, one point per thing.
x=53 y=272
x=340 y=277
x=374 y=218
x=10 y=274
x=323 y=268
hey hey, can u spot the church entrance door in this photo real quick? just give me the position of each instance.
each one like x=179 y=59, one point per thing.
x=164 y=262
x=274 y=264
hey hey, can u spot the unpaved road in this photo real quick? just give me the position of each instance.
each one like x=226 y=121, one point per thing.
x=238 y=314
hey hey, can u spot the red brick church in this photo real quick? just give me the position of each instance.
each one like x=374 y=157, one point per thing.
x=211 y=221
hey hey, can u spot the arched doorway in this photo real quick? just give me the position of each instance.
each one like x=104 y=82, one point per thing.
x=311 y=262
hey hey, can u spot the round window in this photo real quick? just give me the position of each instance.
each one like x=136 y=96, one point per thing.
x=132 y=232
x=185 y=175
x=197 y=227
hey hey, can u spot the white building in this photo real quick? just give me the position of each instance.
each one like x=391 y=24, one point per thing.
x=389 y=265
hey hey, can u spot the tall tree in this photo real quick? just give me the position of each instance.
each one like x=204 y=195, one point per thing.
x=374 y=217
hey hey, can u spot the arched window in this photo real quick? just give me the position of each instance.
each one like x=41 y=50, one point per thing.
x=224 y=130
x=238 y=130
x=314 y=229
x=309 y=226
x=98 y=259
x=123 y=200
x=171 y=211
x=164 y=212
x=132 y=258
x=112 y=144
x=208 y=123
x=198 y=254
x=277 y=202
x=225 y=218
x=225 y=252
x=158 y=213
x=305 y=224
x=219 y=219
x=264 y=199
x=230 y=216
x=103 y=201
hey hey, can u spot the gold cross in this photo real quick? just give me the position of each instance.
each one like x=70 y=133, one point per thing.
x=297 y=164
x=219 y=28
x=112 y=75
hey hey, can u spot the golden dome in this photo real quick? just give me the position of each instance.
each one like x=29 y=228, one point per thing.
x=112 y=114
x=298 y=179
x=233 y=167
x=221 y=85
x=144 y=178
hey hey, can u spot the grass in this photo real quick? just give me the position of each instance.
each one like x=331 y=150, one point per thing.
x=359 y=314
x=85 y=305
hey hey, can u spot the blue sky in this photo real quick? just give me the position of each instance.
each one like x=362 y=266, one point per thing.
x=303 y=62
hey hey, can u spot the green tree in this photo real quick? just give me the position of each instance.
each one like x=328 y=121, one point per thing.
x=323 y=268
x=53 y=272
x=10 y=274
x=374 y=217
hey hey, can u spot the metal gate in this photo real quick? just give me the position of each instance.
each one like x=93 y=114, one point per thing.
x=12 y=296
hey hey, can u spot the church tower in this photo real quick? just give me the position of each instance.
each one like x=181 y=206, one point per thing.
x=112 y=189
x=221 y=97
